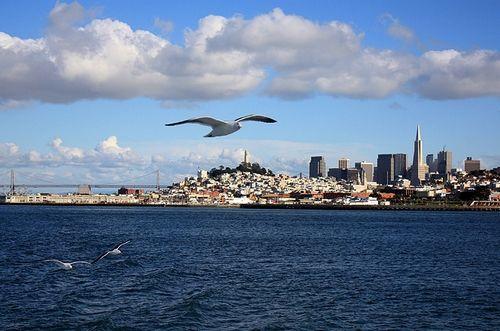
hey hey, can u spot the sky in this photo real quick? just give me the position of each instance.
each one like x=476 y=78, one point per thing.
x=86 y=87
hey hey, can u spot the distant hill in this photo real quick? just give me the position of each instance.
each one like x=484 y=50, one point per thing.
x=243 y=167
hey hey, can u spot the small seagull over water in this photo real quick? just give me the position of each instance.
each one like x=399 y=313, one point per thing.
x=223 y=128
x=115 y=251
x=66 y=265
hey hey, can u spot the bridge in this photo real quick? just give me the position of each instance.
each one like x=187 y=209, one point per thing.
x=39 y=182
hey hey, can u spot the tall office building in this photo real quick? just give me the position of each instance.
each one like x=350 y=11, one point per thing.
x=400 y=165
x=429 y=159
x=385 y=169
x=444 y=162
x=471 y=165
x=431 y=162
x=317 y=167
x=419 y=168
x=367 y=167
x=344 y=163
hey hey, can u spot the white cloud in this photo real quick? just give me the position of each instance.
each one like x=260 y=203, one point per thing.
x=106 y=154
x=164 y=26
x=111 y=162
x=13 y=104
x=64 y=15
x=110 y=146
x=8 y=151
x=107 y=59
x=451 y=74
x=396 y=29
x=287 y=42
x=83 y=58
x=67 y=152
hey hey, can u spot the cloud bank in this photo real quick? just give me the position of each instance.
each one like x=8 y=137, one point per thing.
x=111 y=162
x=282 y=55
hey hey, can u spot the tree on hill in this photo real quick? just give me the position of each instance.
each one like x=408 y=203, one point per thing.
x=243 y=167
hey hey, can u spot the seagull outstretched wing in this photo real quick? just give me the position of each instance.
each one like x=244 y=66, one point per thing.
x=207 y=121
x=100 y=257
x=121 y=244
x=103 y=255
x=258 y=118
x=59 y=263
x=80 y=262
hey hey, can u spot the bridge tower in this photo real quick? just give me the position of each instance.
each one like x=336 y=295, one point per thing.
x=158 y=180
x=12 y=182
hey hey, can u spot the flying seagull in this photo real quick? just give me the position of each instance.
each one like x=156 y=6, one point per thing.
x=223 y=128
x=66 y=265
x=115 y=251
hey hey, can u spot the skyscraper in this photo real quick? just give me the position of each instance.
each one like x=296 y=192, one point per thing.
x=343 y=163
x=385 y=169
x=317 y=167
x=431 y=162
x=400 y=165
x=444 y=162
x=471 y=165
x=419 y=168
x=367 y=167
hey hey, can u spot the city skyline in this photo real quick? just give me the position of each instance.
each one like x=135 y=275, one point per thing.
x=393 y=168
x=88 y=118
x=400 y=165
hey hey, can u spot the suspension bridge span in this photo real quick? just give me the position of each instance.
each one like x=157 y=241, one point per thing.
x=36 y=181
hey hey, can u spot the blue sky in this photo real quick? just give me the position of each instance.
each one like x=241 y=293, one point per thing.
x=58 y=120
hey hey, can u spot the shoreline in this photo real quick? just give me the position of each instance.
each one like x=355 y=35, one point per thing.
x=116 y=205
x=378 y=207
x=280 y=206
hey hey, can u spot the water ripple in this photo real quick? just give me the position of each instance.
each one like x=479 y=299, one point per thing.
x=244 y=269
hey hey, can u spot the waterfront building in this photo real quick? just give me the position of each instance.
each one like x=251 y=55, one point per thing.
x=472 y=165
x=367 y=167
x=419 y=168
x=343 y=163
x=385 y=169
x=317 y=167
x=130 y=191
x=444 y=162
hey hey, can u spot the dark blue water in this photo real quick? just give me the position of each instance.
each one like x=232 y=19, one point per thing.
x=249 y=269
